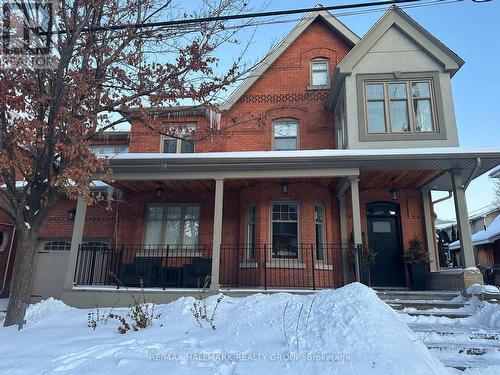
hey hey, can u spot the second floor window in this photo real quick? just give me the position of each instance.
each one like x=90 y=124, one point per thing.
x=319 y=72
x=399 y=107
x=285 y=135
x=173 y=145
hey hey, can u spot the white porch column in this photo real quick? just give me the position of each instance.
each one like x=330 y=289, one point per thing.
x=356 y=221
x=343 y=237
x=464 y=232
x=217 y=237
x=76 y=240
x=429 y=231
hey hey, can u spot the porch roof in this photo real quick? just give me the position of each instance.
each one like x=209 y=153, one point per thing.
x=306 y=163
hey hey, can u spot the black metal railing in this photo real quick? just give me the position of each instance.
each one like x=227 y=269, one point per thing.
x=185 y=266
x=305 y=266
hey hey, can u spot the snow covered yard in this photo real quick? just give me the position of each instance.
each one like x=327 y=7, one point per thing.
x=346 y=331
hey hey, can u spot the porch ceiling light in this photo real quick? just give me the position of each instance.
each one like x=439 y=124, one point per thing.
x=159 y=191
x=393 y=193
x=284 y=187
x=71 y=214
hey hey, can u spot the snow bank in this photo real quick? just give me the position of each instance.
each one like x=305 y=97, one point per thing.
x=346 y=331
x=476 y=289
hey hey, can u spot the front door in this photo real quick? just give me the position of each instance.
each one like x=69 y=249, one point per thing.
x=384 y=237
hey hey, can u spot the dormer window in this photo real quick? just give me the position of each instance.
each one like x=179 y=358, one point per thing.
x=319 y=73
x=173 y=145
x=399 y=107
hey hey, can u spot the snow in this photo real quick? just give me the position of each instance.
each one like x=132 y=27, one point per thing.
x=475 y=289
x=495 y=172
x=430 y=151
x=344 y=331
x=490 y=235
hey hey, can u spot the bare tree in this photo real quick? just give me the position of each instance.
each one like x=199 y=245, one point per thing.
x=48 y=117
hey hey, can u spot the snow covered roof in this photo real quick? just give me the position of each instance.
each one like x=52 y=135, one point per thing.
x=495 y=173
x=490 y=235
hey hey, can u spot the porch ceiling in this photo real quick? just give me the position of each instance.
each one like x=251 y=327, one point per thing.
x=426 y=168
x=412 y=179
x=201 y=186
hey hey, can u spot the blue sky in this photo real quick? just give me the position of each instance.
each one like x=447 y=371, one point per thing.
x=470 y=29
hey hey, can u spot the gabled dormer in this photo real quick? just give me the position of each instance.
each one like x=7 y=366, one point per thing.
x=393 y=89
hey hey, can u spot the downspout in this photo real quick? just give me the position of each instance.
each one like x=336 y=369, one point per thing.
x=476 y=168
x=8 y=256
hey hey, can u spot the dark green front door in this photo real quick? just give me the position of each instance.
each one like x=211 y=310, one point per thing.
x=384 y=238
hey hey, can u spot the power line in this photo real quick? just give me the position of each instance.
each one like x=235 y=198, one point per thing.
x=422 y=3
x=237 y=16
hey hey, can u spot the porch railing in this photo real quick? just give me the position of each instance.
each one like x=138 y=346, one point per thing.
x=306 y=266
x=148 y=265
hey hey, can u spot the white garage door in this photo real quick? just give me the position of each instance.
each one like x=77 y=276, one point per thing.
x=52 y=264
x=50 y=269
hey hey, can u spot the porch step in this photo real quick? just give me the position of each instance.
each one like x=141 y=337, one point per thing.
x=438 y=314
x=406 y=295
x=424 y=305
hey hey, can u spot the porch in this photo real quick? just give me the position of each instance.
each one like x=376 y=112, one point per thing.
x=264 y=267
x=268 y=221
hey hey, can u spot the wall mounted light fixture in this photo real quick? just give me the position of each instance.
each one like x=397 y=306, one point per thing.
x=159 y=191
x=284 y=187
x=71 y=214
x=393 y=193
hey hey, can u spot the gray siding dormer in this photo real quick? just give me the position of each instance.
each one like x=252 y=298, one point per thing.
x=397 y=52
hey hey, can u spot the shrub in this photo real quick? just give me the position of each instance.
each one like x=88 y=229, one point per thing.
x=200 y=309
x=416 y=252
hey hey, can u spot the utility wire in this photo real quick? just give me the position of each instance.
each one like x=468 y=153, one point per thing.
x=237 y=16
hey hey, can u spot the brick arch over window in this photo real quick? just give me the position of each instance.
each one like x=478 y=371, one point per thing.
x=319 y=53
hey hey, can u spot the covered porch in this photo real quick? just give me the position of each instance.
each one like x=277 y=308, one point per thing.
x=268 y=220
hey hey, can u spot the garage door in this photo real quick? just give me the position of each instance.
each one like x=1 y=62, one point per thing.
x=52 y=264
x=50 y=269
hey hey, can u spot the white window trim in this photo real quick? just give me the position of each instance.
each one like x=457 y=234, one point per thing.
x=297 y=137
x=319 y=60
x=179 y=140
x=284 y=262
x=171 y=252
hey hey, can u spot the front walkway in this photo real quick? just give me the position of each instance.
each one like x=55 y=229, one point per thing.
x=454 y=328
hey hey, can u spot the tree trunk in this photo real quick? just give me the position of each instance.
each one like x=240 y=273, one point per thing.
x=24 y=266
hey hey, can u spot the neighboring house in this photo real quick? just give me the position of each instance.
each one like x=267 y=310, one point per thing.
x=479 y=220
x=486 y=244
x=333 y=140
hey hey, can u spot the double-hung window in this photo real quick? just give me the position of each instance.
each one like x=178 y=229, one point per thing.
x=251 y=230
x=319 y=72
x=285 y=134
x=182 y=144
x=285 y=230
x=319 y=219
x=173 y=225
x=399 y=107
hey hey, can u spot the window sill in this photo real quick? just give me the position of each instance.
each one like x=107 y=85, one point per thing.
x=249 y=264
x=323 y=266
x=171 y=254
x=322 y=87
x=285 y=263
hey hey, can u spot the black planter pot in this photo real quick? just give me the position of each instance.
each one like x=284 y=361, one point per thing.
x=418 y=275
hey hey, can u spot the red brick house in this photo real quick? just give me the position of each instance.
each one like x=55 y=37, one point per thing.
x=334 y=140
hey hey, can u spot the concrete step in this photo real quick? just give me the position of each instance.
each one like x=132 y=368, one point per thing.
x=408 y=295
x=424 y=305
x=464 y=336
x=444 y=313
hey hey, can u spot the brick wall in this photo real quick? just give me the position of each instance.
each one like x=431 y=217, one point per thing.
x=282 y=91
